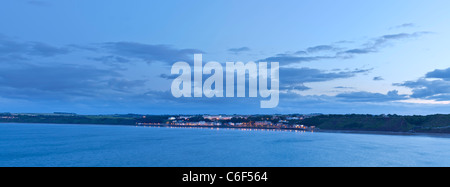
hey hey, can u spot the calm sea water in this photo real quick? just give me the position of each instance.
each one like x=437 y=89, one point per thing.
x=97 y=145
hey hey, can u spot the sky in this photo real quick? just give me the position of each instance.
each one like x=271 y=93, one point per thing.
x=115 y=56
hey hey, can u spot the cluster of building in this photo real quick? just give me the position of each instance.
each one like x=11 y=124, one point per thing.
x=8 y=117
x=274 y=122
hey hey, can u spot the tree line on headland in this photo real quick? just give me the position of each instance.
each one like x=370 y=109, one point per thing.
x=432 y=123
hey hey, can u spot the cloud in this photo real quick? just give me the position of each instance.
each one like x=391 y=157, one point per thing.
x=297 y=87
x=290 y=59
x=321 y=48
x=295 y=78
x=67 y=82
x=344 y=87
x=111 y=60
x=45 y=50
x=378 y=78
x=371 y=97
x=301 y=53
x=10 y=47
x=83 y=47
x=427 y=89
x=440 y=74
x=23 y=49
x=239 y=50
x=435 y=85
x=151 y=53
x=112 y=52
x=441 y=97
x=54 y=82
x=405 y=25
x=376 y=44
x=169 y=77
x=338 y=52
x=307 y=75
x=360 y=51
x=387 y=38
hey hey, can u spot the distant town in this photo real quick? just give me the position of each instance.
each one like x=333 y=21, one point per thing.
x=439 y=123
x=291 y=122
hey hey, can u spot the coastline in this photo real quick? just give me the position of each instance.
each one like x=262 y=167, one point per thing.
x=393 y=133
x=232 y=127
x=442 y=135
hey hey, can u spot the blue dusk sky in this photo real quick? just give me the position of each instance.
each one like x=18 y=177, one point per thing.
x=115 y=56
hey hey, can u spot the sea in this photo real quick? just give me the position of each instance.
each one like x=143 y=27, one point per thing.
x=57 y=145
